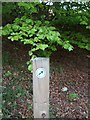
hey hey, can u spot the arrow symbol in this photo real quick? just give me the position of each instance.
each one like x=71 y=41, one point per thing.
x=40 y=72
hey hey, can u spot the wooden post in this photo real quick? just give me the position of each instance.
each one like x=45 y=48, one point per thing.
x=41 y=87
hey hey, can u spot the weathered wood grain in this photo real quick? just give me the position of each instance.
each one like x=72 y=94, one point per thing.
x=41 y=89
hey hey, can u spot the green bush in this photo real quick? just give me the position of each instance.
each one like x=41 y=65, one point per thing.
x=41 y=36
x=46 y=27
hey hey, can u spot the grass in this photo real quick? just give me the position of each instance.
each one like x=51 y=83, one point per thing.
x=73 y=97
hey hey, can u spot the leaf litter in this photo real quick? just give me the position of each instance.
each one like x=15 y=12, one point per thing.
x=67 y=70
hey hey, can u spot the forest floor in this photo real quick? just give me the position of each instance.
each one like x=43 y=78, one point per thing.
x=68 y=70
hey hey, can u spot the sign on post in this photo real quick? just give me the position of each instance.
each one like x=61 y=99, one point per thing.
x=41 y=87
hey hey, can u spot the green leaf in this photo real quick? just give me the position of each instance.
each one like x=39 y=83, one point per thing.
x=7 y=74
x=70 y=48
x=73 y=96
x=36 y=39
x=23 y=34
x=47 y=22
x=5 y=32
x=28 y=41
x=30 y=67
x=24 y=29
x=15 y=27
x=87 y=27
x=53 y=48
x=52 y=28
x=34 y=49
x=17 y=37
x=17 y=21
x=41 y=36
x=29 y=21
x=88 y=47
x=42 y=46
x=30 y=53
x=83 y=23
x=38 y=23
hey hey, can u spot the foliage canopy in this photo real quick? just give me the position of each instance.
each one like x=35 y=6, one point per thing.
x=46 y=27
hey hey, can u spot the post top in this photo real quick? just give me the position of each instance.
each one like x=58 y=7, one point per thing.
x=40 y=58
